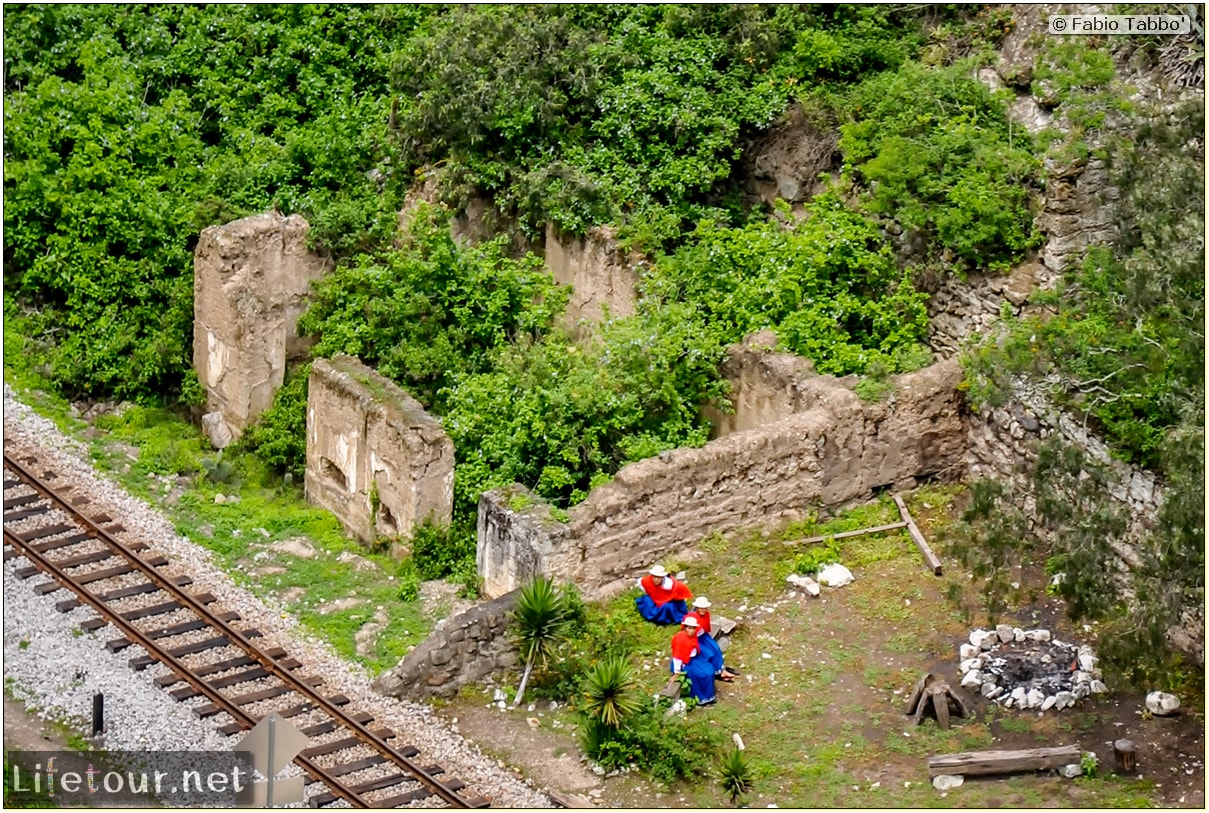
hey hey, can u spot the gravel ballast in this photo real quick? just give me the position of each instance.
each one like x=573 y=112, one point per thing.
x=53 y=667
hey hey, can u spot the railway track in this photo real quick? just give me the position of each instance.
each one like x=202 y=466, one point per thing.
x=207 y=651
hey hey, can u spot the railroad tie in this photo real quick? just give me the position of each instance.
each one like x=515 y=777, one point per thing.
x=164 y=681
x=347 y=742
x=377 y=784
x=210 y=709
x=141 y=662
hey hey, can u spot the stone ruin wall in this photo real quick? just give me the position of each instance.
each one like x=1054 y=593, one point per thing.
x=601 y=274
x=462 y=650
x=251 y=281
x=1003 y=445
x=374 y=457
x=836 y=451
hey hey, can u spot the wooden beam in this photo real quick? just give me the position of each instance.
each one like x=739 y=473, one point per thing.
x=845 y=534
x=977 y=763
x=921 y=543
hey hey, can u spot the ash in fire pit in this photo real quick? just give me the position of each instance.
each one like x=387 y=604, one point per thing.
x=1027 y=669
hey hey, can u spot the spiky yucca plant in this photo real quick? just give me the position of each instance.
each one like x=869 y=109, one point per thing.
x=734 y=775
x=541 y=618
x=609 y=691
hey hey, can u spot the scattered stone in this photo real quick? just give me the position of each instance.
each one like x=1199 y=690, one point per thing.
x=295 y=546
x=533 y=722
x=1071 y=771
x=805 y=582
x=359 y=563
x=946 y=781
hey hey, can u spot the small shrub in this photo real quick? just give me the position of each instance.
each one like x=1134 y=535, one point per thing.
x=809 y=562
x=665 y=748
x=610 y=692
x=735 y=775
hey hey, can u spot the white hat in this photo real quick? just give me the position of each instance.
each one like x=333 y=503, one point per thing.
x=702 y=602
x=658 y=571
x=689 y=621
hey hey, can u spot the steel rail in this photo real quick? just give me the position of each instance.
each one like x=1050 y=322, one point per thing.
x=236 y=637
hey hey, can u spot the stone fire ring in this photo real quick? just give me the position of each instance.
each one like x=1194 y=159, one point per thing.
x=1028 y=669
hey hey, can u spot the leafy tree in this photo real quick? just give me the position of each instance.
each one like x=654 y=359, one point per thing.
x=1124 y=350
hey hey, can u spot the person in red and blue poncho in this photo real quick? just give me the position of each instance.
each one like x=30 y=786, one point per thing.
x=664 y=600
x=705 y=640
x=688 y=660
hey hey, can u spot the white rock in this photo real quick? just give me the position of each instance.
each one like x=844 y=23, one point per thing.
x=1049 y=702
x=1064 y=699
x=972 y=679
x=967 y=651
x=971 y=663
x=1017 y=634
x=1098 y=687
x=1019 y=693
x=1035 y=698
x=991 y=691
x=977 y=637
x=1005 y=633
x=946 y=781
x=805 y=582
x=1037 y=635
x=1071 y=771
x=1087 y=663
x=835 y=575
x=1162 y=703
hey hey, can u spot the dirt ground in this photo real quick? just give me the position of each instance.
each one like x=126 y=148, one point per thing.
x=824 y=688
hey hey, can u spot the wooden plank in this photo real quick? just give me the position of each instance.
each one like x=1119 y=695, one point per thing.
x=978 y=763
x=894 y=526
x=921 y=543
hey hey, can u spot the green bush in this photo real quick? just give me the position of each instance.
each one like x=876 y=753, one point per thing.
x=278 y=437
x=440 y=551
x=934 y=150
x=827 y=285
x=665 y=748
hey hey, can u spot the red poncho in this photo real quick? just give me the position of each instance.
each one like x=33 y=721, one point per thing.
x=684 y=645
x=661 y=595
x=702 y=617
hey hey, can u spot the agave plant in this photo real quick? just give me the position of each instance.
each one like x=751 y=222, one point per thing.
x=540 y=620
x=610 y=692
x=734 y=775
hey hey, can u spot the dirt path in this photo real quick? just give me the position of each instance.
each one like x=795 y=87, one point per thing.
x=24 y=731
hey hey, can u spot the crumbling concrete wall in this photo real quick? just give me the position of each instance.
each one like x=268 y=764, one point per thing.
x=374 y=457
x=600 y=272
x=251 y=282
x=463 y=649
x=837 y=450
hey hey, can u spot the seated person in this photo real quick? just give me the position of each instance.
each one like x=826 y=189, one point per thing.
x=687 y=660
x=664 y=599
x=705 y=640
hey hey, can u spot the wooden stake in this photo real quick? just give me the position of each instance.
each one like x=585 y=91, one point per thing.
x=845 y=534
x=921 y=543
x=1126 y=756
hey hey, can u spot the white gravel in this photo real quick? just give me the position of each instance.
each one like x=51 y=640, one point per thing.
x=55 y=668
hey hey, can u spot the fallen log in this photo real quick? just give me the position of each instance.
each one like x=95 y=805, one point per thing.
x=931 y=558
x=977 y=763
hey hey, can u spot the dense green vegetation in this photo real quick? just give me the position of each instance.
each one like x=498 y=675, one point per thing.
x=130 y=128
